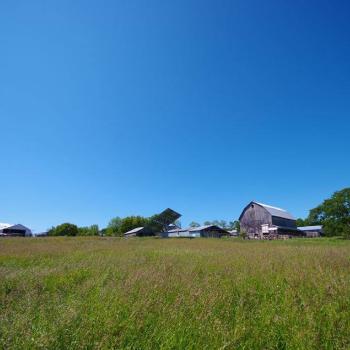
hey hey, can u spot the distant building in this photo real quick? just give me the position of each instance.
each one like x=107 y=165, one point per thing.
x=233 y=233
x=177 y=232
x=139 y=232
x=312 y=231
x=265 y=221
x=208 y=231
x=40 y=234
x=14 y=230
x=159 y=224
x=195 y=232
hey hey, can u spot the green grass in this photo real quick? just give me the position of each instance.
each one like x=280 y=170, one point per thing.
x=96 y=293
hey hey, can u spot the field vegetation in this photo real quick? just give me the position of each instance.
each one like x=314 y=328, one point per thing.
x=102 y=293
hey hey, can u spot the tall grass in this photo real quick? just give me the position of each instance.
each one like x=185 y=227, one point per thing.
x=95 y=293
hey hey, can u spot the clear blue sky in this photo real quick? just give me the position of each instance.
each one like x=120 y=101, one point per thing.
x=128 y=107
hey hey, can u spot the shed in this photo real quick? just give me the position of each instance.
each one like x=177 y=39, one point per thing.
x=177 y=232
x=260 y=220
x=139 y=232
x=312 y=231
x=208 y=231
x=14 y=230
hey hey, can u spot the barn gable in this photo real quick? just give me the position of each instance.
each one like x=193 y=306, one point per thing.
x=258 y=219
x=14 y=230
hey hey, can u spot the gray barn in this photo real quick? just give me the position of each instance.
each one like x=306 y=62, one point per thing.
x=265 y=221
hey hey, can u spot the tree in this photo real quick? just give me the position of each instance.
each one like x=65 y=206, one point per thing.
x=153 y=224
x=113 y=228
x=234 y=225
x=333 y=214
x=222 y=223
x=194 y=224
x=131 y=222
x=301 y=222
x=65 y=229
x=88 y=230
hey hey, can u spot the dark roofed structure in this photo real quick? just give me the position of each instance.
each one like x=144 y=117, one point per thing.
x=166 y=217
x=208 y=231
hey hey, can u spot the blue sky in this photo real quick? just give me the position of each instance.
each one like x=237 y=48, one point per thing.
x=128 y=107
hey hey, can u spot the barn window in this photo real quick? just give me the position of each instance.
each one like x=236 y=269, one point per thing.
x=252 y=205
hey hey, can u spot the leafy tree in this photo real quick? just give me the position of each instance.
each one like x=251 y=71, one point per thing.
x=194 y=224
x=113 y=228
x=207 y=223
x=130 y=222
x=65 y=229
x=234 y=225
x=334 y=214
x=223 y=224
x=88 y=230
x=215 y=222
x=301 y=222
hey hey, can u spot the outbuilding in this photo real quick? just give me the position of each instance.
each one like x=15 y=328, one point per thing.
x=311 y=231
x=139 y=232
x=263 y=221
x=208 y=231
x=14 y=230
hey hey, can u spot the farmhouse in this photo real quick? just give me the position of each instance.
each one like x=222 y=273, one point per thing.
x=265 y=221
x=312 y=231
x=13 y=230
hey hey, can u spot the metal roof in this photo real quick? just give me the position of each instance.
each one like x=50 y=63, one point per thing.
x=5 y=225
x=201 y=228
x=310 y=228
x=135 y=230
x=274 y=211
x=177 y=230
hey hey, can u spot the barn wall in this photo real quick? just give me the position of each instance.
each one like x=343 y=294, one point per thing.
x=254 y=216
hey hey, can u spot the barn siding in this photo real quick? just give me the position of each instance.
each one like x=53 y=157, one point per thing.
x=253 y=217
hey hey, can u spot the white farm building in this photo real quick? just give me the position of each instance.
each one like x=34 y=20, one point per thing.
x=14 y=230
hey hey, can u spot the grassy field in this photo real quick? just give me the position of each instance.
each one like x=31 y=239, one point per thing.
x=102 y=293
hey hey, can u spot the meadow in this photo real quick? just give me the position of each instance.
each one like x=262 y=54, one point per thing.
x=111 y=293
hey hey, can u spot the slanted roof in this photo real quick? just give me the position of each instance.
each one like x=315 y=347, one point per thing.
x=275 y=211
x=167 y=217
x=206 y=227
x=177 y=230
x=5 y=225
x=310 y=228
x=13 y=226
x=135 y=230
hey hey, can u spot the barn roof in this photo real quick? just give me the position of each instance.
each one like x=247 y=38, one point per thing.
x=274 y=211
